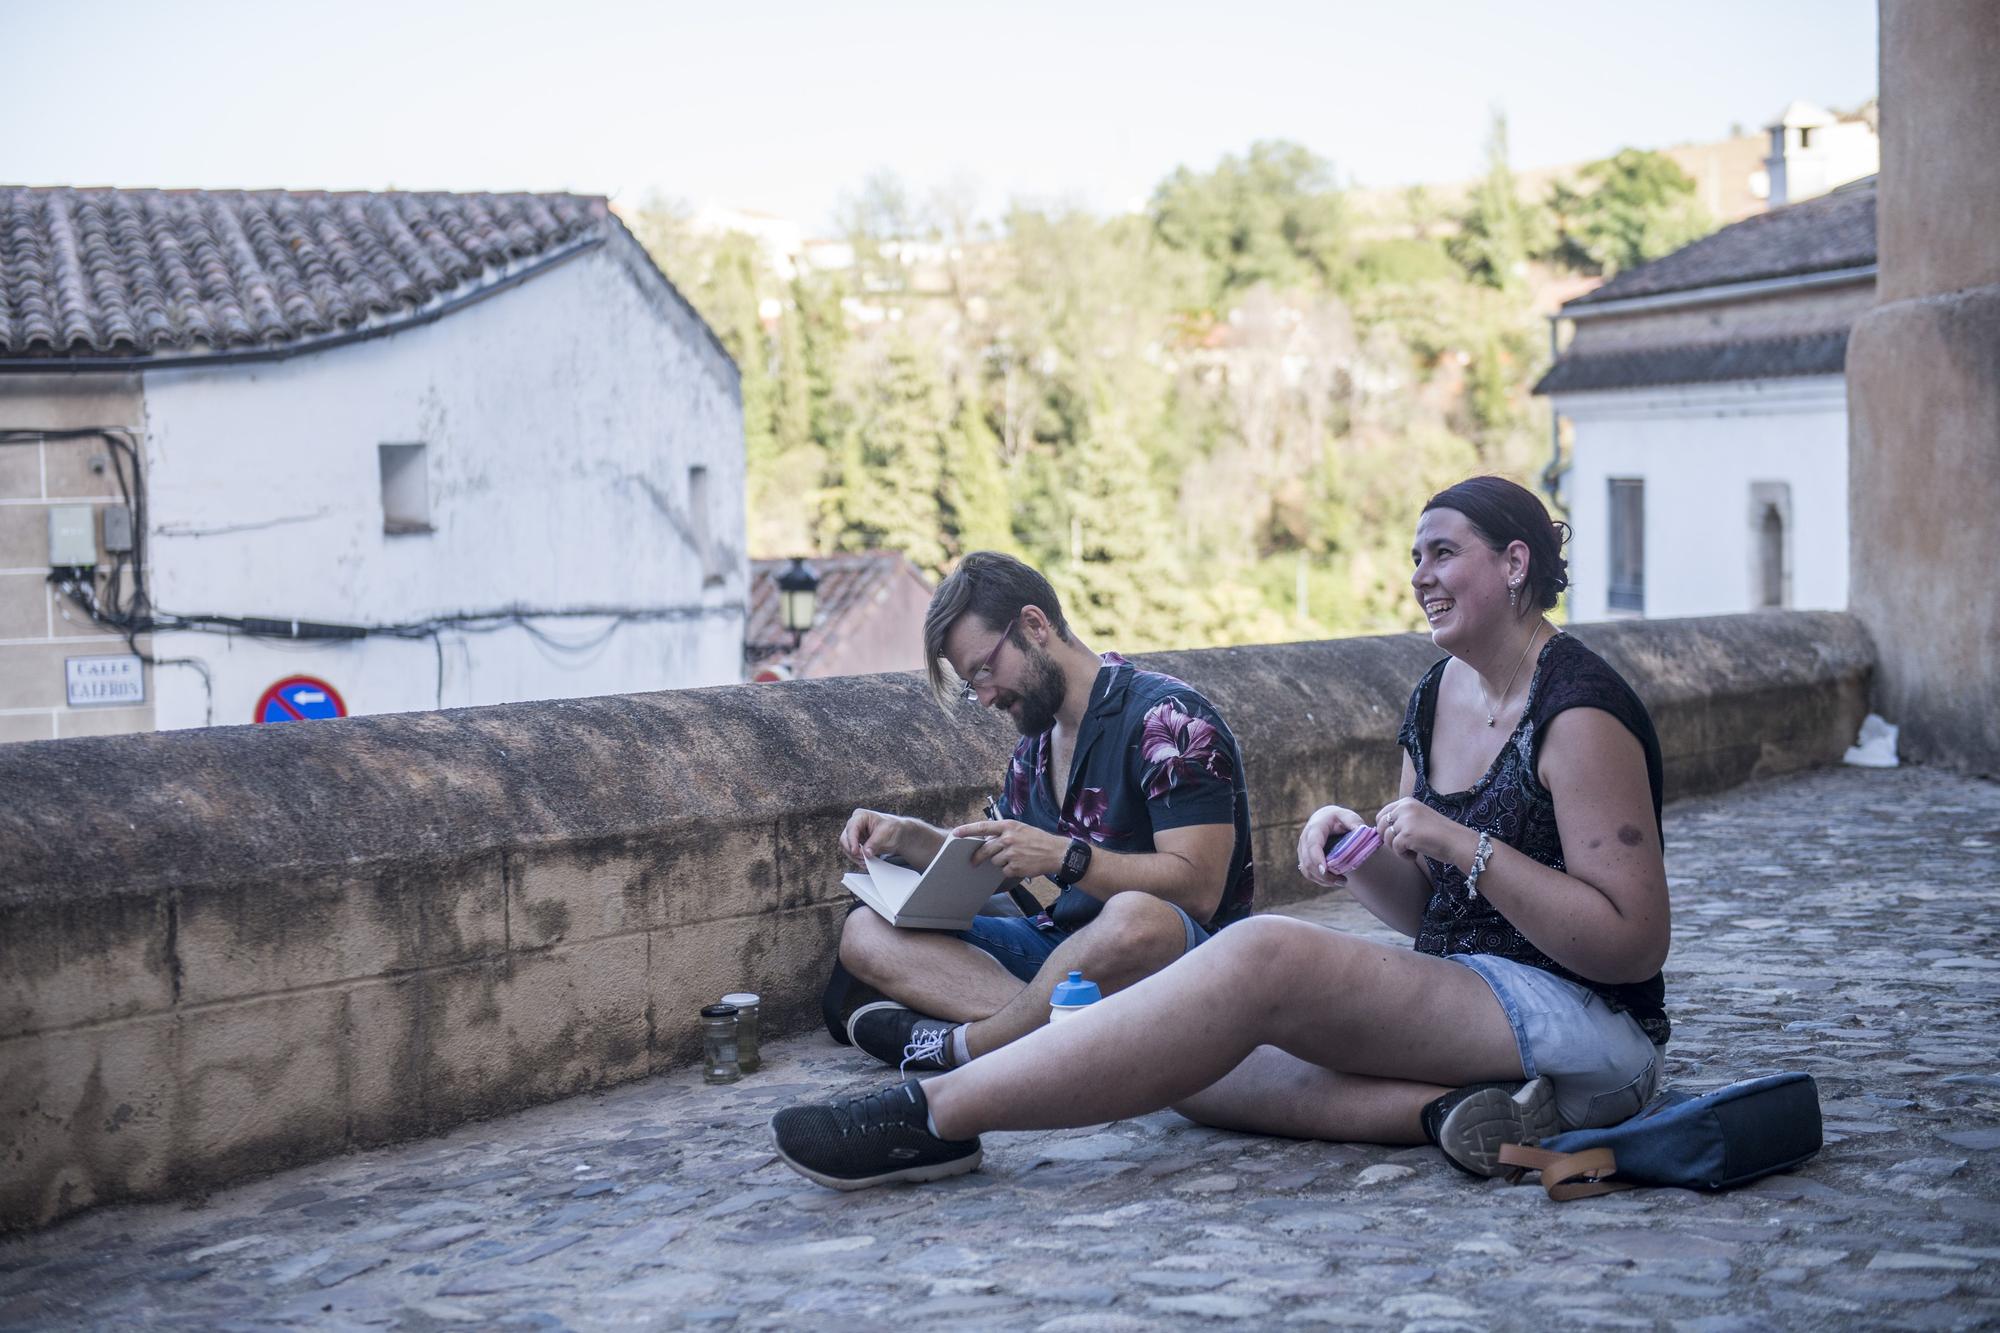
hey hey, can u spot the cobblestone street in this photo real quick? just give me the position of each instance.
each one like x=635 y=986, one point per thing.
x=1842 y=923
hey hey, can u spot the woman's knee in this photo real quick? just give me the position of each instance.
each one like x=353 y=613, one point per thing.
x=1280 y=949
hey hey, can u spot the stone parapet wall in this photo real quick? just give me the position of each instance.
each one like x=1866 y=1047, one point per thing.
x=228 y=950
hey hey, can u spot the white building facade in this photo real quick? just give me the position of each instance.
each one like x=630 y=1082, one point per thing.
x=528 y=484
x=1706 y=411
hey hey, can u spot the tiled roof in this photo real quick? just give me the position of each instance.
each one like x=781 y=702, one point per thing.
x=1834 y=231
x=847 y=581
x=96 y=273
x=1823 y=353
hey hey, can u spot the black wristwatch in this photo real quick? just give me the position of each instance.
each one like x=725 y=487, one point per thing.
x=1076 y=863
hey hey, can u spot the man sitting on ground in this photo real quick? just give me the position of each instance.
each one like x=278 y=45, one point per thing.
x=1126 y=790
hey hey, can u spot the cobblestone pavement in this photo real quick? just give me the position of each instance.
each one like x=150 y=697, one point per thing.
x=1842 y=923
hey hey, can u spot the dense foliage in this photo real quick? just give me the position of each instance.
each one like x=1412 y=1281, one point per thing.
x=1211 y=422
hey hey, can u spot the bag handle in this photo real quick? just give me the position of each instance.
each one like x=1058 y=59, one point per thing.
x=1567 y=1175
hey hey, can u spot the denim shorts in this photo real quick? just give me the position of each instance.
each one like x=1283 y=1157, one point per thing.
x=1022 y=944
x=1600 y=1060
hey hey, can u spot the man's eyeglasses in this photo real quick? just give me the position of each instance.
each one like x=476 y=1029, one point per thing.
x=969 y=690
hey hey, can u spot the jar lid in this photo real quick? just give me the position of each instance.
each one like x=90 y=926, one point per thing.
x=719 y=1011
x=1075 y=992
x=742 y=999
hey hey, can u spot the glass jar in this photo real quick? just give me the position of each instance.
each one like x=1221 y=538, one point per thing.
x=718 y=1044
x=746 y=1004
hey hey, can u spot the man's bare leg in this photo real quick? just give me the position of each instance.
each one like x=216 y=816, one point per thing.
x=928 y=970
x=1133 y=937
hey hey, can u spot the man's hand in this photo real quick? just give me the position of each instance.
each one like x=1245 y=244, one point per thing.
x=872 y=832
x=1020 y=850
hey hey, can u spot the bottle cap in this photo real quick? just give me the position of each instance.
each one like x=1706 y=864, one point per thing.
x=1075 y=992
x=742 y=999
x=719 y=1011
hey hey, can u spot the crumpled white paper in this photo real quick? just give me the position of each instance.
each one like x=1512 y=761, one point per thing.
x=1875 y=747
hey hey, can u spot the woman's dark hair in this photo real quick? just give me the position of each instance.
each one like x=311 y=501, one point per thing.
x=1504 y=513
x=993 y=587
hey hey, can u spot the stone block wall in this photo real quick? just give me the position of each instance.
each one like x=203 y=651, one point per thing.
x=228 y=950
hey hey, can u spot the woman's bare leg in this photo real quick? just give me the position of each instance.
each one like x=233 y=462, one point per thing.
x=1333 y=1000
x=1275 y=1093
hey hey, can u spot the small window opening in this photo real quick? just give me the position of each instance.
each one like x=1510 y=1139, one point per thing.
x=1805 y=137
x=701 y=525
x=1770 y=543
x=1627 y=590
x=406 y=491
x=1771 y=558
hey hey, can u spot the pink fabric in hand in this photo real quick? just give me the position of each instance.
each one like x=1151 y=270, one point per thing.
x=1348 y=853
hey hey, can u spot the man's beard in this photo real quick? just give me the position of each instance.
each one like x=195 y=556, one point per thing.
x=1040 y=696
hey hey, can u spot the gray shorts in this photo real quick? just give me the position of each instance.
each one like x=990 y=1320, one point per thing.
x=1601 y=1062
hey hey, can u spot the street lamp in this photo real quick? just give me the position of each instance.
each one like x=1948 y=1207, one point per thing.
x=798 y=598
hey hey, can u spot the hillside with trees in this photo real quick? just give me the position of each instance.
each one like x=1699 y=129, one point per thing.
x=1211 y=422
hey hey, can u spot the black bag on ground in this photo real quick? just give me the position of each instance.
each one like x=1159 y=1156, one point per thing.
x=1721 y=1138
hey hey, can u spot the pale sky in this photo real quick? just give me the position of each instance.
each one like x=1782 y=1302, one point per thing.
x=782 y=107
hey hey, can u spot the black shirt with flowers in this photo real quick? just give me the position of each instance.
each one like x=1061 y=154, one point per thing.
x=1510 y=803
x=1152 y=754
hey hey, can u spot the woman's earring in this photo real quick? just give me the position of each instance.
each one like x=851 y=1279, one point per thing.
x=1513 y=597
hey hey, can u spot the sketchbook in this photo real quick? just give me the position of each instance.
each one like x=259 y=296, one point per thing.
x=945 y=895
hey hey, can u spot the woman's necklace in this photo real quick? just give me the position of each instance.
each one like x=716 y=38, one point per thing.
x=1493 y=706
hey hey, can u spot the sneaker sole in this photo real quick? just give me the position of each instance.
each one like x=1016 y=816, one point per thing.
x=869 y=1008
x=1478 y=1127
x=909 y=1175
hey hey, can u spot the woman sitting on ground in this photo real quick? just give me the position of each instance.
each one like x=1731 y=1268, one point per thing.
x=1523 y=856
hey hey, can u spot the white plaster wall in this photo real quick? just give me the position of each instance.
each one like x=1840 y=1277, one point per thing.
x=1700 y=449
x=560 y=419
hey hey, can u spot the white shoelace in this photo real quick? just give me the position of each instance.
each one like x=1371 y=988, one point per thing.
x=926 y=1044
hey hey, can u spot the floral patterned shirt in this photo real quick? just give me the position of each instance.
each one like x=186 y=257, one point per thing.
x=1152 y=754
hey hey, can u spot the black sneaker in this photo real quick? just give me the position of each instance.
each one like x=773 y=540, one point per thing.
x=901 y=1037
x=1470 y=1125
x=844 y=993
x=871 y=1140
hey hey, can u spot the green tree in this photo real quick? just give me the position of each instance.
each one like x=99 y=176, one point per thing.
x=888 y=492
x=1625 y=210
x=1496 y=232
x=973 y=490
x=1272 y=216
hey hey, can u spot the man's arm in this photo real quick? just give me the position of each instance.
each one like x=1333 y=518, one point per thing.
x=884 y=835
x=1189 y=867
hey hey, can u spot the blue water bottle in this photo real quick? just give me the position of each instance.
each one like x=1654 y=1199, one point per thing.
x=1071 y=997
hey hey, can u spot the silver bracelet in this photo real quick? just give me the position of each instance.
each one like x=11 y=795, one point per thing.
x=1482 y=850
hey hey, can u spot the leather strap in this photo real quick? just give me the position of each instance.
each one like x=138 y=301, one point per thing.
x=1567 y=1175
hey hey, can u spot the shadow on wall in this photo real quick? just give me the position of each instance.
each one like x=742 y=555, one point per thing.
x=234 y=949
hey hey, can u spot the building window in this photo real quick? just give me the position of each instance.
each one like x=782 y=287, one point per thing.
x=1770 y=543
x=1627 y=591
x=406 y=489
x=701 y=525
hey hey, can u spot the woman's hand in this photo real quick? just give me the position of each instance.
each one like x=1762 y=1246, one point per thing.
x=1327 y=824
x=1412 y=829
x=1020 y=850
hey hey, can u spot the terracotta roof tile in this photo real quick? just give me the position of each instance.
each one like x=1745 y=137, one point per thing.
x=848 y=580
x=1835 y=231
x=1823 y=353
x=145 y=273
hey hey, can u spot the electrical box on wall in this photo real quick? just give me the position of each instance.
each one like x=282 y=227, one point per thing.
x=117 y=530
x=72 y=537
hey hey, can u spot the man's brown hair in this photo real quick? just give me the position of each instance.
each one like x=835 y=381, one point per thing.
x=993 y=587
